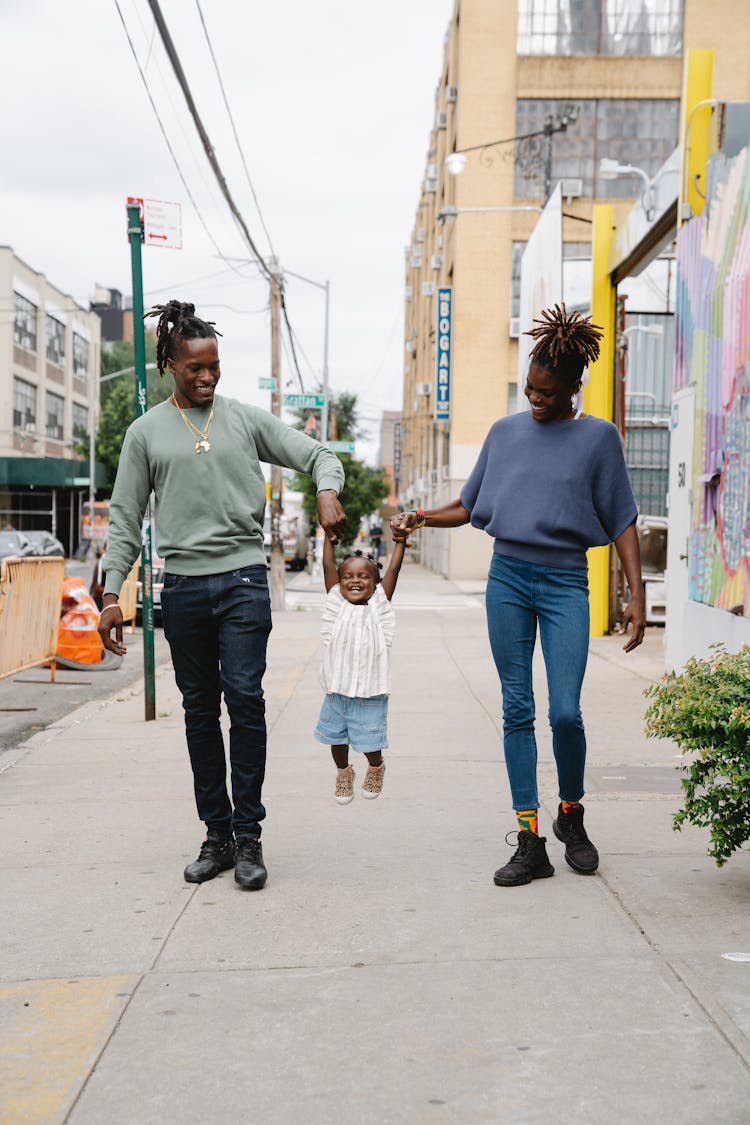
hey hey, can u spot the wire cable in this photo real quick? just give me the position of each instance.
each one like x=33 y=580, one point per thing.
x=169 y=47
x=291 y=343
x=234 y=128
x=171 y=151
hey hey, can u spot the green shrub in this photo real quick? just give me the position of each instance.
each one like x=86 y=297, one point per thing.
x=706 y=711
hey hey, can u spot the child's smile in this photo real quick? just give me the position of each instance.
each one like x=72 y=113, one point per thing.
x=357 y=581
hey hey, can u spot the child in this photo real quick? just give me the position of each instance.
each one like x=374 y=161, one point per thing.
x=357 y=627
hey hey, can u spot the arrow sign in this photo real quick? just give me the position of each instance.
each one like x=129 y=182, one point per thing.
x=162 y=222
x=307 y=402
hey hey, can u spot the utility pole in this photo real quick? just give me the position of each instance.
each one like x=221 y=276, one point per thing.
x=135 y=235
x=277 y=547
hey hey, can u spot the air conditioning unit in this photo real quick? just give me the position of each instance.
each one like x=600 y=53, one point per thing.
x=419 y=237
x=411 y=347
x=436 y=261
x=442 y=121
x=430 y=186
x=431 y=172
x=451 y=94
x=423 y=389
x=571 y=189
x=416 y=259
x=514 y=327
x=30 y=428
x=428 y=289
x=407 y=293
x=439 y=241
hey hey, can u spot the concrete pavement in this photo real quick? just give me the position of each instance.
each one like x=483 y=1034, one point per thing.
x=380 y=976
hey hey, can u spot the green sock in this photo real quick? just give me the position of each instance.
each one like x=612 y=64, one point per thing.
x=528 y=820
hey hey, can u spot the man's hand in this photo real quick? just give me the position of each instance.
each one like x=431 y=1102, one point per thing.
x=331 y=516
x=109 y=619
x=404 y=522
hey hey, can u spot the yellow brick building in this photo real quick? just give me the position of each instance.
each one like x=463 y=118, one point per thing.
x=509 y=66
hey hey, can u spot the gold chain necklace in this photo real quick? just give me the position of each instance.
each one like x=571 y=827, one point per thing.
x=202 y=444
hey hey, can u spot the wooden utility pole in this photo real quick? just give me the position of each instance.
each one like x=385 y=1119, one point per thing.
x=277 y=547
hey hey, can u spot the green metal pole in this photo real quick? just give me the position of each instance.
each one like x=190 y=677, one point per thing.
x=135 y=236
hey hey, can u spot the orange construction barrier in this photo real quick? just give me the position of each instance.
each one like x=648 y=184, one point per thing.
x=78 y=638
x=29 y=613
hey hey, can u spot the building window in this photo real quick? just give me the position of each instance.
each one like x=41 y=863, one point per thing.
x=54 y=416
x=24 y=323
x=80 y=420
x=515 y=278
x=55 y=341
x=600 y=27
x=24 y=405
x=630 y=130
x=80 y=356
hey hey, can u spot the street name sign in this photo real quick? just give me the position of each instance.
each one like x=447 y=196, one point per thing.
x=267 y=384
x=307 y=402
x=162 y=222
x=341 y=446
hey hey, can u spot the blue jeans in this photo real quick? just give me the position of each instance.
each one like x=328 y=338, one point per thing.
x=520 y=594
x=217 y=626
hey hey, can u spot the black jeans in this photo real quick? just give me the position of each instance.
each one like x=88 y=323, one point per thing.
x=217 y=626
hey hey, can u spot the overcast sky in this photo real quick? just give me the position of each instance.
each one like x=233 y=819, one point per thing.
x=333 y=102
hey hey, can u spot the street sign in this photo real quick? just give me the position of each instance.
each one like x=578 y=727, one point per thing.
x=341 y=446
x=443 y=374
x=162 y=222
x=267 y=384
x=307 y=402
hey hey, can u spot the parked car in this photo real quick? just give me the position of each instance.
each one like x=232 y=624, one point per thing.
x=14 y=545
x=45 y=544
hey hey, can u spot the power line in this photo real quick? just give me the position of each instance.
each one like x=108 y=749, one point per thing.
x=291 y=341
x=234 y=129
x=167 y=142
x=169 y=47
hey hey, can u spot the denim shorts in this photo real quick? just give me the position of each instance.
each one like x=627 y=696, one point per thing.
x=359 y=723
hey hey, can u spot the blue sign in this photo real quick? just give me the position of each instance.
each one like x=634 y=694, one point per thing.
x=443 y=376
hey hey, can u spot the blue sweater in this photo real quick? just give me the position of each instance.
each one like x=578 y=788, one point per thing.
x=547 y=491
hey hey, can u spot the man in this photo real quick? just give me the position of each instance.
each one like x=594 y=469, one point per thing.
x=200 y=456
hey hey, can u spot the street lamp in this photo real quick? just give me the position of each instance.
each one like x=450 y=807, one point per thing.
x=451 y=211
x=455 y=162
x=611 y=169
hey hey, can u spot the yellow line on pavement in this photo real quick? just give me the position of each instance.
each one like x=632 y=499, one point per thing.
x=51 y=1032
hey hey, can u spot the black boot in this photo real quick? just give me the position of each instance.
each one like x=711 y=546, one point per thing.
x=216 y=854
x=250 y=871
x=580 y=853
x=529 y=861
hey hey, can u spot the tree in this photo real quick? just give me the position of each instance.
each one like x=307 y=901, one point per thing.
x=365 y=488
x=118 y=400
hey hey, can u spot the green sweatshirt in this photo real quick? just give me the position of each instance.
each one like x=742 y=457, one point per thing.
x=209 y=506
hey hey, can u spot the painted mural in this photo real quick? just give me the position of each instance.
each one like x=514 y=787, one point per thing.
x=713 y=352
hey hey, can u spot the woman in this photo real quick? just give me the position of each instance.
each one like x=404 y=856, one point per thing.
x=200 y=454
x=549 y=483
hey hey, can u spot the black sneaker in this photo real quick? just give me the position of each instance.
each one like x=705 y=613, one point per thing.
x=529 y=862
x=216 y=854
x=250 y=870
x=580 y=853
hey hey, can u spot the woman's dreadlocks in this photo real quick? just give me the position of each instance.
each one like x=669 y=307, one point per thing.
x=177 y=321
x=566 y=343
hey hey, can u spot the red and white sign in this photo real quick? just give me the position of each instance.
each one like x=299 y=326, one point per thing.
x=162 y=222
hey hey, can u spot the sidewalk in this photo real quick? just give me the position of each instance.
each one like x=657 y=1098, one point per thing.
x=380 y=977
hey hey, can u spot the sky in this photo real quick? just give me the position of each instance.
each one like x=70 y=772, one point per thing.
x=333 y=103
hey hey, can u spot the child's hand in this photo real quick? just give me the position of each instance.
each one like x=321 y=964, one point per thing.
x=401 y=535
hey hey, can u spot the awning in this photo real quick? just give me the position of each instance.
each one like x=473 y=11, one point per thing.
x=49 y=472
